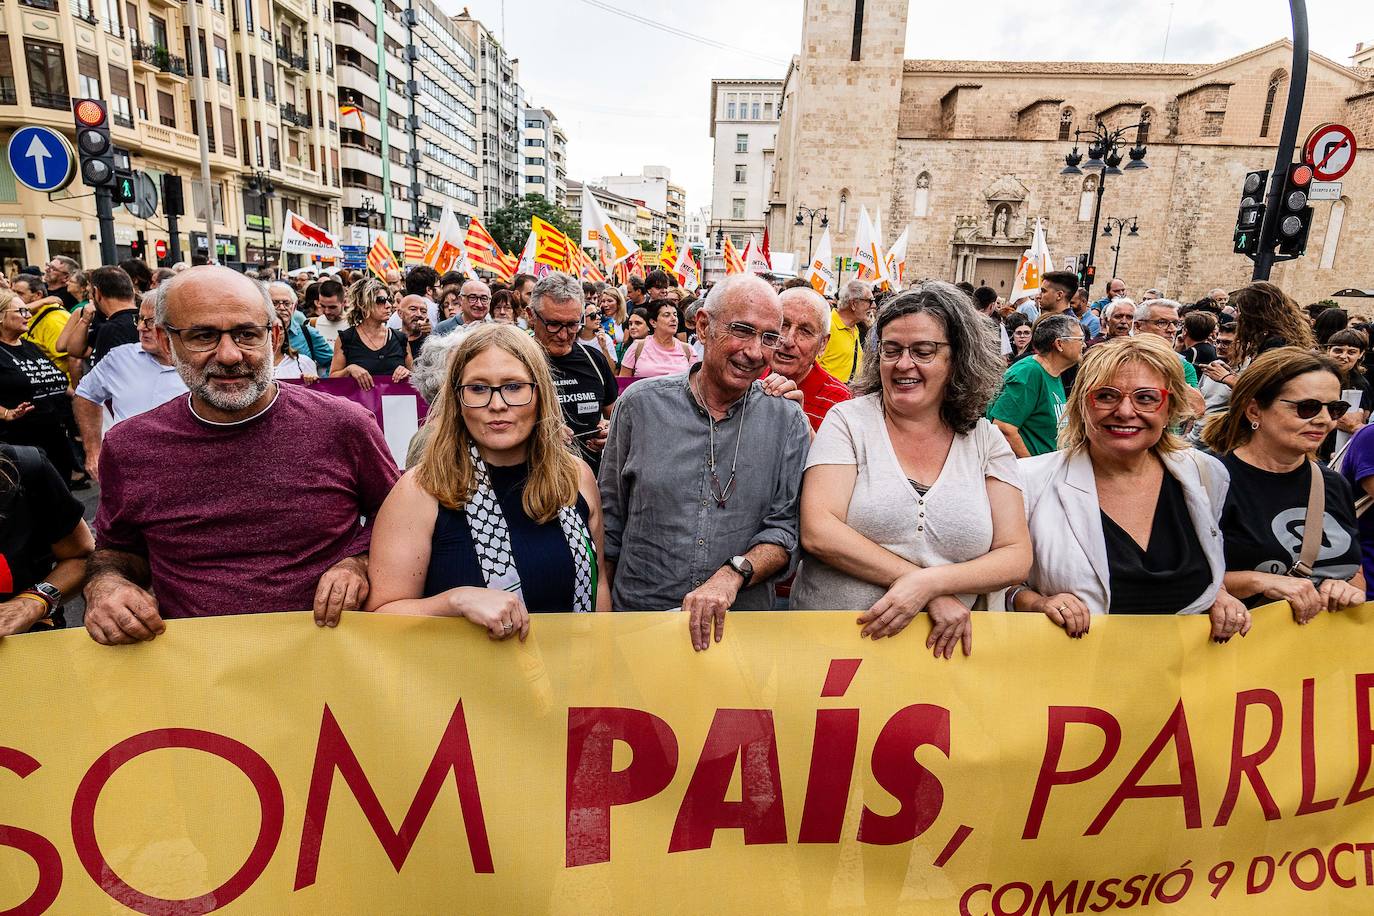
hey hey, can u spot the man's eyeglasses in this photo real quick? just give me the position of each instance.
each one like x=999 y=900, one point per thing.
x=514 y=394
x=147 y=324
x=1308 y=408
x=558 y=327
x=282 y=302
x=1172 y=324
x=476 y=299
x=922 y=351
x=741 y=331
x=203 y=340
x=1144 y=400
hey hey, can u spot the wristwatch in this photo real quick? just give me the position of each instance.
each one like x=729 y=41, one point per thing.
x=48 y=593
x=742 y=566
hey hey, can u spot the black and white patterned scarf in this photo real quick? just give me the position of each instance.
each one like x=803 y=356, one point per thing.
x=491 y=537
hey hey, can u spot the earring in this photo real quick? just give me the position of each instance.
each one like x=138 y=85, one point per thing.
x=1254 y=424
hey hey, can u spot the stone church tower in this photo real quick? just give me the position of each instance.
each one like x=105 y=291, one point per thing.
x=837 y=137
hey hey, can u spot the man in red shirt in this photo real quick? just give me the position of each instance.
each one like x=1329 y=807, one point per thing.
x=805 y=332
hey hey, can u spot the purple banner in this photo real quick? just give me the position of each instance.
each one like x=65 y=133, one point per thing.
x=398 y=407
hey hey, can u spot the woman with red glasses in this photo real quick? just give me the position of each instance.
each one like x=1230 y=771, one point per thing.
x=1282 y=406
x=1124 y=518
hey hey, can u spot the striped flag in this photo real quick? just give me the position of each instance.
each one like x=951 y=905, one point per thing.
x=353 y=111
x=380 y=259
x=581 y=266
x=667 y=256
x=734 y=264
x=551 y=247
x=482 y=248
x=413 y=249
x=508 y=269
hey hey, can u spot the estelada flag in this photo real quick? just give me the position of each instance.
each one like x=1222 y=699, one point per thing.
x=734 y=264
x=667 y=256
x=413 y=249
x=380 y=259
x=551 y=247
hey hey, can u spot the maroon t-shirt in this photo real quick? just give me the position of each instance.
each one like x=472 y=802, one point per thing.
x=243 y=519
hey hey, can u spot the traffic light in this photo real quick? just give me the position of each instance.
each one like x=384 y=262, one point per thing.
x=1294 y=219
x=1089 y=275
x=1246 y=239
x=93 y=144
x=173 y=204
x=123 y=190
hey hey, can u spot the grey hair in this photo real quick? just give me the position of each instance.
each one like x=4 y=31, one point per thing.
x=1050 y=328
x=1119 y=302
x=817 y=302
x=715 y=299
x=855 y=289
x=556 y=286
x=165 y=288
x=430 y=369
x=975 y=353
x=1142 y=311
x=284 y=285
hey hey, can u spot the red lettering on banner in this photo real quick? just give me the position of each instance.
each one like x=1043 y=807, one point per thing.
x=1364 y=739
x=896 y=770
x=1308 y=804
x=833 y=750
x=1248 y=765
x=249 y=762
x=333 y=752
x=36 y=846
x=1175 y=731
x=593 y=788
x=745 y=735
x=1060 y=717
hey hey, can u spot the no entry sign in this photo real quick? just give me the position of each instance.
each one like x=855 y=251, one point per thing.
x=1330 y=150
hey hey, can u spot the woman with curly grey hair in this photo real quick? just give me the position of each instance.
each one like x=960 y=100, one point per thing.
x=912 y=500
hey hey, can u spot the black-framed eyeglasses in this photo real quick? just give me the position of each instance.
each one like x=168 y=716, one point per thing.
x=148 y=323
x=1172 y=324
x=922 y=351
x=513 y=394
x=559 y=327
x=741 y=331
x=1144 y=400
x=476 y=298
x=1308 y=408
x=283 y=302
x=203 y=340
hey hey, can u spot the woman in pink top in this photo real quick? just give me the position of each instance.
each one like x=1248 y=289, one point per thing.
x=660 y=353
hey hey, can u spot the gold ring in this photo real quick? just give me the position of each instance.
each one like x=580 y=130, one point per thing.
x=1063 y=608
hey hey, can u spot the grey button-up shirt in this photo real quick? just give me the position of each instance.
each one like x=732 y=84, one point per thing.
x=663 y=528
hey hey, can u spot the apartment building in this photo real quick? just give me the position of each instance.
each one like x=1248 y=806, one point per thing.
x=544 y=153
x=501 y=117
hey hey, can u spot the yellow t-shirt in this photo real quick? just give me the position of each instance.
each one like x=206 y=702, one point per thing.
x=844 y=352
x=44 y=329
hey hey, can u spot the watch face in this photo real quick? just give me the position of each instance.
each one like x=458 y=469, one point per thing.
x=49 y=590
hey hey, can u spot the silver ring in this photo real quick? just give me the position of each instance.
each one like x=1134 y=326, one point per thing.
x=508 y=627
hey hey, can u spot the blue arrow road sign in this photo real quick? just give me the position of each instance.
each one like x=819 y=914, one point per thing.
x=41 y=159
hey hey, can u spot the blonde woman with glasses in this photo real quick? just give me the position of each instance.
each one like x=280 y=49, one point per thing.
x=499 y=519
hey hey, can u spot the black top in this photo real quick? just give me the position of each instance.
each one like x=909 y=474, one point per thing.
x=1201 y=355
x=1168 y=576
x=585 y=385
x=67 y=299
x=120 y=328
x=416 y=344
x=36 y=512
x=541 y=552
x=27 y=375
x=1263 y=520
x=378 y=362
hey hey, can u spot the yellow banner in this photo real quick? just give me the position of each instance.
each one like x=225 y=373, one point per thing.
x=260 y=765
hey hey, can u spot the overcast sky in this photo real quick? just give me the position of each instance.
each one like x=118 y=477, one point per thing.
x=630 y=95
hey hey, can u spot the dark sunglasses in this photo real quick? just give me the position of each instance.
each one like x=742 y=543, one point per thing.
x=1308 y=408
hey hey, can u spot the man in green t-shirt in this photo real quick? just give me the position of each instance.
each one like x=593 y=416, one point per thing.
x=1031 y=405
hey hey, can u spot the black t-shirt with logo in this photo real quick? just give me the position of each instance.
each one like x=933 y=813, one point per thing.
x=36 y=511
x=586 y=385
x=27 y=375
x=1263 y=519
x=119 y=328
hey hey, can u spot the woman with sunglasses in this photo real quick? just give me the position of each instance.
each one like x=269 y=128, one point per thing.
x=499 y=519
x=1123 y=518
x=1282 y=406
x=911 y=499
x=593 y=336
x=368 y=347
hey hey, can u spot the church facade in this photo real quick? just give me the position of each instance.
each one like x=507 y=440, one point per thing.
x=968 y=155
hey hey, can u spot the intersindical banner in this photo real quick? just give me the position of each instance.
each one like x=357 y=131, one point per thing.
x=260 y=765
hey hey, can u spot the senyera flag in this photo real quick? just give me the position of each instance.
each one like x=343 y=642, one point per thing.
x=414 y=249
x=303 y=237
x=482 y=248
x=381 y=260
x=734 y=264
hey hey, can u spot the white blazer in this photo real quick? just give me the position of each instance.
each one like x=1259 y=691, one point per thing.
x=1065 y=519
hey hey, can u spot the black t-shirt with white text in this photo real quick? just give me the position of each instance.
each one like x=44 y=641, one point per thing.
x=586 y=385
x=27 y=375
x=36 y=512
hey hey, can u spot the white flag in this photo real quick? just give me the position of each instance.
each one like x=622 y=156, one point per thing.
x=526 y=265
x=820 y=272
x=446 y=252
x=300 y=236
x=686 y=270
x=754 y=261
x=896 y=259
x=600 y=234
x=868 y=250
x=1035 y=263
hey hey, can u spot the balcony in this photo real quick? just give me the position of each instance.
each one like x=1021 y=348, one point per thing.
x=289 y=115
x=58 y=100
x=122 y=120
x=159 y=57
x=8 y=95
x=222 y=74
x=295 y=61
x=83 y=10
x=49 y=5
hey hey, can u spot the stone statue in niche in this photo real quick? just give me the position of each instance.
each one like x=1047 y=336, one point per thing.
x=999 y=222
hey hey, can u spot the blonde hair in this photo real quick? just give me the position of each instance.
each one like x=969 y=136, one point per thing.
x=1097 y=368
x=1260 y=383
x=360 y=297
x=446 y=470
x=619 y=316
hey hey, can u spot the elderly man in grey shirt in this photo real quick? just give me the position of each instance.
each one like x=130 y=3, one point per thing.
x=701 y=473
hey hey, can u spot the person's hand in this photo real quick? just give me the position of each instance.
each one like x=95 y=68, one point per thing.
x=891 y=613
x=1217 y=370
x=9 y=414
x=1067 y=611
x=18 y=614
x=1350 y=422
x=1229 y=617
x=308 y=379
x=401 y=374
x=708 y=605
x=343 y=587
x=1300 y=594
x=597 y=441
x=359 y=375
x=1337 y=594
x=780 y=386
x=567 y=433
x=93 y=463
x=951 y=625
x=502 y=613
x=119 y=612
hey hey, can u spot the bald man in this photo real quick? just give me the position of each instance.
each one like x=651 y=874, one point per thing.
x=183 y=527
x=474 y=307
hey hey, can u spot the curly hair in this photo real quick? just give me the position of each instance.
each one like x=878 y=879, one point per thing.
x=1101 y=364
x=1263 y=313
x=361 y=297
x=975 y=357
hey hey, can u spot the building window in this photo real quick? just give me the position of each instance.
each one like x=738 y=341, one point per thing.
x=534 y=124
x=737 y=208
x=221 y=61
x=47 y=75
x=534 y=160
x=844 y=208
x=1276 y=82
x=119 y=98
x=741 y=174
x=768 y=111
x=538 y=143
x=88 y=76
x=534 y=179
x=1065 y=123
x=755 y=107
x=741 y=143
x=730 y=106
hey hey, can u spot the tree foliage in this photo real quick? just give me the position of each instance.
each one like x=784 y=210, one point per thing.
x=510 y=226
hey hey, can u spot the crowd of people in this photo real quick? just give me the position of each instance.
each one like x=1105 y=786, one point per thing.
x=755 y=447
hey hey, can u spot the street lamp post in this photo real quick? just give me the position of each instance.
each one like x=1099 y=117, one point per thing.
x=261 y=184
x=1120 y=223
x=1104 y=156
x=364 y=212
x=810 y=220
